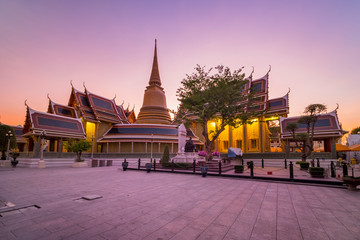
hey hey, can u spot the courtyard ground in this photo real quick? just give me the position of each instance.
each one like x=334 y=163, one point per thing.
x=47 y=204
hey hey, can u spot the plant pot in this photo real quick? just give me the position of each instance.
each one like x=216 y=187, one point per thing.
x=239 y=168
x=304 y=165
x=204 y=171
x=351 y=182
x=148 y=167
x=317 y=172
x=125 y=165
x=14 y=163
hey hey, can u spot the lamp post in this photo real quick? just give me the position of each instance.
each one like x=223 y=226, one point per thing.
x=8 y=136
x=152 y=136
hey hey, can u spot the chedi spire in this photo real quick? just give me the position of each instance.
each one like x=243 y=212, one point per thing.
x=154 y=109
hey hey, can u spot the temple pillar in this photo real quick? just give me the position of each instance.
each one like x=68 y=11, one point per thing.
x=37 y=147
x=245 y=140
x=146 y=147
x=119 y=147
x=159 y=148
x=172 y=148
x=60 y=148
x=261 y=135
x=333 y=148
x=107 y=147
x=132 y=147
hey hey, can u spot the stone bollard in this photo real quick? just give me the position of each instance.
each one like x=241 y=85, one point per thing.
x=172 y=165
x=251 y=169
x=154 y=164
x=285 y=163
x=219 y=167
x=262 y=163
x=194 y=165
x=291 y=167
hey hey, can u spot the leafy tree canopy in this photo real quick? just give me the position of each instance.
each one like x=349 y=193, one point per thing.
x=5 y=129
x=222 y=95
x=355 y=130
x=77 y=146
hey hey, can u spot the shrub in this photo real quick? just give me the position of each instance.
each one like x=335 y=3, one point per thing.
x=216 y=154
x=202 y=153
x=304 y=165
x=316 y=171
x=166 y=157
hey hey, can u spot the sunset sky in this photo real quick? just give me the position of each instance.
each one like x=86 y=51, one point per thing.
x=313 y=47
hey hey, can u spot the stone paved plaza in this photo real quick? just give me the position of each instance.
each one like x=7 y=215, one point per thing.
x=140 y=205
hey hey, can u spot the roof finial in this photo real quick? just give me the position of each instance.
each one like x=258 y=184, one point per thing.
x=26 y=103
x=122 y=103
x=155 y=75
x=269 y=69
x=288 y=92
x=114 y=97
x=337 y=107
x=84 y=85
x=133 y=107
x=48 y=97
x=71 y=83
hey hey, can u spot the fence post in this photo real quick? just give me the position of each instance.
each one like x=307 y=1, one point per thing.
x=345 y=170
x=251 y=169
x=333 y=174
x=285 y=163
x=154 y=164
x=139 y=163
x=219 y=167
x=194 y=163
x=262 y=163
x=172 y=165
x=291 y=170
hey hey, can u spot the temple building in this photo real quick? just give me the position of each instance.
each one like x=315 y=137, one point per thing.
x=327 y=132
x=262 y=135
x=111 y=128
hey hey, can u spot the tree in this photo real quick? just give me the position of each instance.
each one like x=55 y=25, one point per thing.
x=77 y=146
x=309 y=120
x=165 y=160
x=222 y=96
x=355 y=130
x=4 y=140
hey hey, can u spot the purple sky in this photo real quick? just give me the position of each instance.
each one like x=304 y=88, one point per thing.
x=312 y=46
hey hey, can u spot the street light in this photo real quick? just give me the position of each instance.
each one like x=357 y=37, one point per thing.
x=8 y=135
x=152 y=136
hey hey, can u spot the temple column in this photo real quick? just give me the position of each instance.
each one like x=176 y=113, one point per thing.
x=333 y=148
x=159 y=148
x=261 y=135
x=60 y=147
x=172 y=148
x=37 y=148
x=132 y=147
x=119 y=148
x=107 y=147
x=230 y=137
x=245 y=140
x=146 y=147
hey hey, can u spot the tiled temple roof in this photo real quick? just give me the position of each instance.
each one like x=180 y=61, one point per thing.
x=53 y=125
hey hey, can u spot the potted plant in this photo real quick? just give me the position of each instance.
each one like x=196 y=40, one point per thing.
x=303 y=165
x=204 y=170
x=316 y=172
x=239 y=168
x=125 y=165
x=148 y=167
x=78 y=146
x=352 y=182
x=14 y=154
